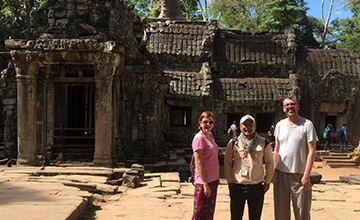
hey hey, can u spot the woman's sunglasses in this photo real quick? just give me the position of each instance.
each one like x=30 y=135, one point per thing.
x=208 y=122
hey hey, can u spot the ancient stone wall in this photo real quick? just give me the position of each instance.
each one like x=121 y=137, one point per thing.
x=329 y=82
x=140 y=127
x=87 y=19
x=8 y=107
x=220 y=70
x=189 y=43
x=258 y=54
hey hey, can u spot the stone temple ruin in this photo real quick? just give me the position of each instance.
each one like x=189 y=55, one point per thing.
x=95 y=83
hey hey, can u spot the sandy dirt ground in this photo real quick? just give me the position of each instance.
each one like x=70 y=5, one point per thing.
x=332 y=200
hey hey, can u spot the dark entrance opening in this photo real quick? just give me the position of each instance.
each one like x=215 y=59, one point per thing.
x=264 y=121
x=180 y=116
x=233 y=117
x=74 y=132
x=331 y=120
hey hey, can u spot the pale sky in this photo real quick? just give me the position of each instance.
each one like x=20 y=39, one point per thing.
x=315 y=9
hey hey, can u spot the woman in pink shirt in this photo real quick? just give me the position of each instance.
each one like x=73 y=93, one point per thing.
x=206 y=168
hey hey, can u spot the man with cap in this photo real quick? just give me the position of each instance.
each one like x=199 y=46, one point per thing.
x=244 y=172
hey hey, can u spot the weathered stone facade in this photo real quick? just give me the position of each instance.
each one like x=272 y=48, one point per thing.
x=140 y=85
x=8 y=107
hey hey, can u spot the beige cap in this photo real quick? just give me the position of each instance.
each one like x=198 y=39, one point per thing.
x=246 y=117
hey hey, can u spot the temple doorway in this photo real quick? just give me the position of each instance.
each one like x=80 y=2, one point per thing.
x=74 y=122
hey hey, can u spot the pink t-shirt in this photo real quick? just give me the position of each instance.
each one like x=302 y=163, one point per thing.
x=210 y=161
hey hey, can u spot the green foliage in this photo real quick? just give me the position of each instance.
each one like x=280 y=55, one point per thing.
x=190 y=10
x=247 y=15
x=284 y=14
x=152 y=8
x=15 y=18
x=146 y=8
x=267 y=15
x=238 y=14
x=345 y=33
x=317 y=27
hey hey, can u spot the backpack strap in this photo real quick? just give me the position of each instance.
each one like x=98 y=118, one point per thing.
x=234 y=140
x=233 y=143
x=267 y=142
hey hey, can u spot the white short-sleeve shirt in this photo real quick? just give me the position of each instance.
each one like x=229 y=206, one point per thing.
x=293 y=149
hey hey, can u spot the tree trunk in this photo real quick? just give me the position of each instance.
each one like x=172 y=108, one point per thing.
x=26 y=12
x=171 y=9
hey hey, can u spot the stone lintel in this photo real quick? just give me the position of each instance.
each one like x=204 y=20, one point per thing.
x=22 y=57
x=64 y=44
x=333 y=107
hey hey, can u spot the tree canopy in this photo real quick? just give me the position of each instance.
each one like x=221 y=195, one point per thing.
x=152 y=8
x=148 y=8
x=246 y=15
x=239 y=14
x=15 y=18
x=345 y=33
x=284 y=14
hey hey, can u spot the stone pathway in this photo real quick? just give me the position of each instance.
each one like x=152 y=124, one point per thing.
x=331 y=200
x=57 y=193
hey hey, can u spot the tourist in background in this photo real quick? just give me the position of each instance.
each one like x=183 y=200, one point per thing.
x=244 y=171
x=232 y=130
x=294 y=155
x=327 y=136
x=343 y=138
x=206 y=168
x=271 y=136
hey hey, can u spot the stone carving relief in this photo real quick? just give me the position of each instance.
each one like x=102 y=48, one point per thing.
x=333 y=86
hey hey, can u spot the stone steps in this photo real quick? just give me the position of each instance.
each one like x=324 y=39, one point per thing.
x=336 y=147
x=339 y=165
x=338 y=159
x=344 y=161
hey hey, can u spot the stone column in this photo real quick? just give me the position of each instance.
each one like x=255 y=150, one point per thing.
x=104 y=116
x=26 y=112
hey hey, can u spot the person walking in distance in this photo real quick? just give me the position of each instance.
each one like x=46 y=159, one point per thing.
x=244 y=171
x=206 y=168
x=327 y=136
x=294 y=155
x=271 y=136
x=343 y=138
x=232 y=129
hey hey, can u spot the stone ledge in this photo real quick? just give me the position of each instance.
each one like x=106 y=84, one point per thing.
x=63 y=44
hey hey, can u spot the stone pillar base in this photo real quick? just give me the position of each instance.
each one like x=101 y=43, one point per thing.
x=24 y=162
x=103 y=162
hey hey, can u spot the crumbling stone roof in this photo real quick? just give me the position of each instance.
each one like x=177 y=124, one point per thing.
x=185 y=83
x=180 y=38
x=259 y=47
x=83 y=19
x=321 y=62
x=91 y=19
x=253 y=89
